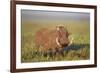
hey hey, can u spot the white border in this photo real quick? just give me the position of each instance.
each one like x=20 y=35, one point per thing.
x=20 y=65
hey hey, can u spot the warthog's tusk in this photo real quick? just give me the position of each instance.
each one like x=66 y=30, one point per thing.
x=71 y=41
x=58 y=42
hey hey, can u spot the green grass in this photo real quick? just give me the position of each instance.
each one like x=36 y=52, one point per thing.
x=78 y=50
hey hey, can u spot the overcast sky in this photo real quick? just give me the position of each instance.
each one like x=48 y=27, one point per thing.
x=36 y=15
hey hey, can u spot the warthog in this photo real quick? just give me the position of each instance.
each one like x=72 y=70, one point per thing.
x=51 y=39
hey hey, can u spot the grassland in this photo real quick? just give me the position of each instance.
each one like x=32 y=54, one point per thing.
x=78 y=50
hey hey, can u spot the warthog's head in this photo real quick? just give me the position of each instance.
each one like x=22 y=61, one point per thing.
x=62 y=39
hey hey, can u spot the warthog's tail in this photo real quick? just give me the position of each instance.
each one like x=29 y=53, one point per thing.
x=71 y=40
